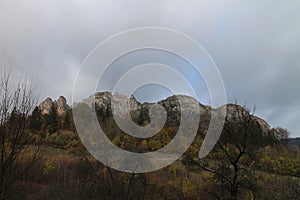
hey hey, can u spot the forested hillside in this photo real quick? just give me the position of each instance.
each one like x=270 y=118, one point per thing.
x=249 y=161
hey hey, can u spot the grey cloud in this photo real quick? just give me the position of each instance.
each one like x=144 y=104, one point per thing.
x=256 y=44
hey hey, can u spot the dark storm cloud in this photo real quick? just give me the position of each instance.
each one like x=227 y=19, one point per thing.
x=256 y=44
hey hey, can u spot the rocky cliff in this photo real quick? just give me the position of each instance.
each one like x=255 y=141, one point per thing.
x=60 y=106
x=173 y=109
x=141 y=110
x=46 y=106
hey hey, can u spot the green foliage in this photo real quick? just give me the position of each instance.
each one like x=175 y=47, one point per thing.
x=35 y=139
x=280 y=160
x=117 y=141
x=129 y=142
x=48 y=167
x=188 y=189
x=155 y=144
x=144 y=145
x=63 y=138
x=50 y=138
x=243 y=162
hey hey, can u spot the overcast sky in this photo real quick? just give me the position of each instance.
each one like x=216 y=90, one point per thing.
x=255 y=44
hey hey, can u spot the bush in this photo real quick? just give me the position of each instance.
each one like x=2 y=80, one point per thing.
x=63 y=139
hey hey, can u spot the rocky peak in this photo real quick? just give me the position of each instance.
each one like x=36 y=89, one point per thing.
x=172 y=106
x=101 y=99
x=134 y=104
x=60 y=105
x=263 y=124
x=46 y=106
x=236 y=113
x=173 y=109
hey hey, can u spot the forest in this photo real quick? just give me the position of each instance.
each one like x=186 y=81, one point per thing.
x=42 y=157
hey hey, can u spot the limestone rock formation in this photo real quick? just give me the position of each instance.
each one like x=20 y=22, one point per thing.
x=46 y=106
x=60 y=106
x=101 y=99
x=141 y=110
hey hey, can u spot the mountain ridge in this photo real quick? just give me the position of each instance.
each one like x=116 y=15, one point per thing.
x=171 y=104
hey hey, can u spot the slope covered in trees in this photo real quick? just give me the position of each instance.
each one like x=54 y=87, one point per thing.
x=249 y=160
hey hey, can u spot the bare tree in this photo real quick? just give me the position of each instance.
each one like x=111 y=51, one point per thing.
x=112 y=184
x=280 y=133
x=17 y=156
x=232 y=158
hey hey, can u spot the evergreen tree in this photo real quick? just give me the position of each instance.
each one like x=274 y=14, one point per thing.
x=52 y=121
x=36 y=119
x=67 y=120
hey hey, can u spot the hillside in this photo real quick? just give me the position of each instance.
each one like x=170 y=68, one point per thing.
x=247 y=162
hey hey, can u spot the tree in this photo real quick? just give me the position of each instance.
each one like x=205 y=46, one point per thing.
x=188 y=189
x=36 y=119
x=16 y=155
x=231 y=162
x=144 y=119
x=129 y=142
x=280 y=133
x=144 y=145
x=51 y=120
x=67 y=120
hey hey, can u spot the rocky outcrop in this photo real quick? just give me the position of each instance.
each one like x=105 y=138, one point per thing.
x=46 y=106
x=141 y=110
x=237 y=113
x=263 y=124
x=101 y=99
x=60 y=106
x=172 y=107
x=134 y=104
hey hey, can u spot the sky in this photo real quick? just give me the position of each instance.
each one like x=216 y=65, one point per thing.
x=255 y=44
